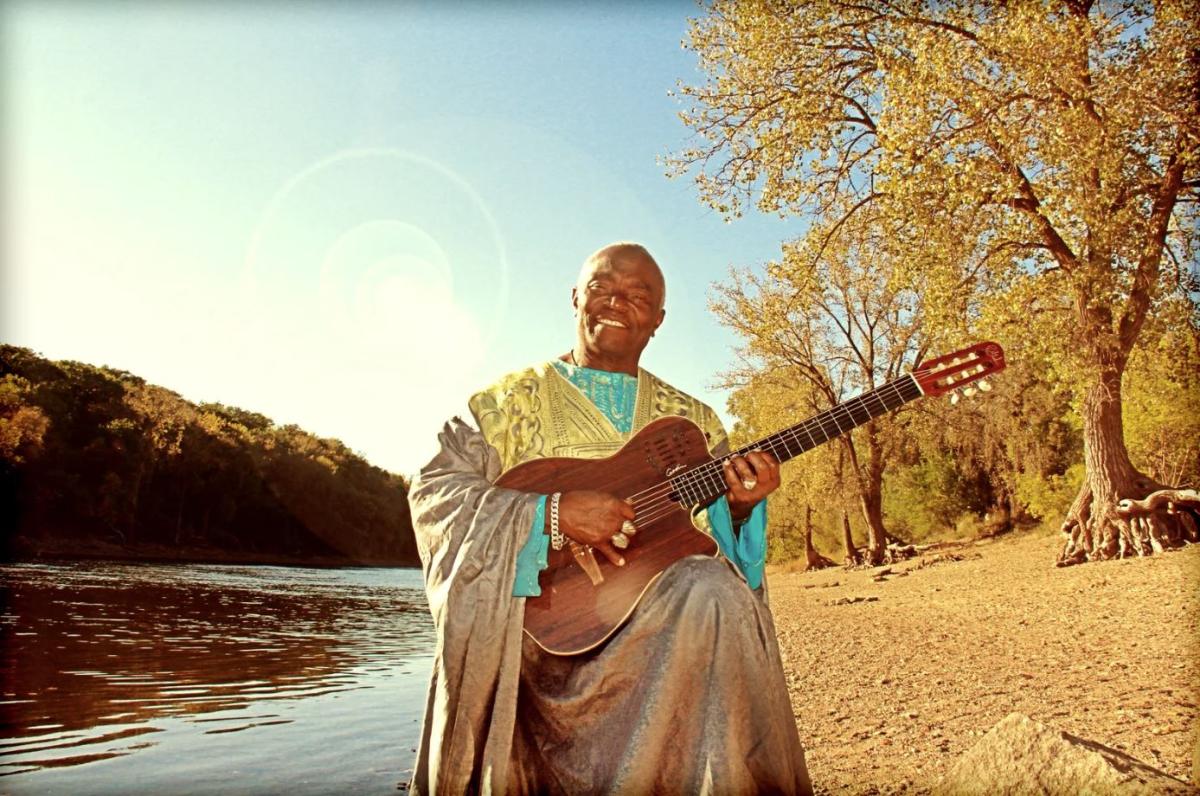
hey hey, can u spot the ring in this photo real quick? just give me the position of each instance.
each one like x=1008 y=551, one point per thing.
x=628 y=528
x=620 y=540
x=749 y=483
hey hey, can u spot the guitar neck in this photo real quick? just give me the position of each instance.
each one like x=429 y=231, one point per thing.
x=706 y=482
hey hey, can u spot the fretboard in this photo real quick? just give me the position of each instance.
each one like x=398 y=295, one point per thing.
x=706 y=482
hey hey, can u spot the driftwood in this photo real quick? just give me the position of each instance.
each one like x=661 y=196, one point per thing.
x=899 y=551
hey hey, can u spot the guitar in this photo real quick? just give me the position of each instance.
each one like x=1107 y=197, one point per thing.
x=666 y=471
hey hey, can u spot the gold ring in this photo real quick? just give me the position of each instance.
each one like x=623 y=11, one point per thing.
x=749 y=483
x=628 y=528
x=620 y=540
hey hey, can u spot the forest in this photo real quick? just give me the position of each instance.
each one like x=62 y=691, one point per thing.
x=95 y=462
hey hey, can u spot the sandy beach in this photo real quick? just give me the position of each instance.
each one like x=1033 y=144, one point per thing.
x=892 y=679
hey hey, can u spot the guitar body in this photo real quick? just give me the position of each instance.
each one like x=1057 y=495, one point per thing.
x=574 y=615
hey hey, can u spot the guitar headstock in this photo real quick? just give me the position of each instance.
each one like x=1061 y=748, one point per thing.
x=958 y=369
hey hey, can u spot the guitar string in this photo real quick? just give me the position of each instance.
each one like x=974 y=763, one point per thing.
x=705 y=476
x=822 y=421
x=696 y=484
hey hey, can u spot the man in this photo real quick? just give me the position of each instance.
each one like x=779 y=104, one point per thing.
x=688 y=696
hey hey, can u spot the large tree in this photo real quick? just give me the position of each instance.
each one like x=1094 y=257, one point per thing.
x=1046 y=154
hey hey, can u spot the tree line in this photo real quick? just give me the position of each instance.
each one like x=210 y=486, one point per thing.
x=94 y=461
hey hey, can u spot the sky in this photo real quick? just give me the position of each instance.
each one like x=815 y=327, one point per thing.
x=348 y=216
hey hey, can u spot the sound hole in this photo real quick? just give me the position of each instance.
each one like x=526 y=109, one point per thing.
x=665 y=451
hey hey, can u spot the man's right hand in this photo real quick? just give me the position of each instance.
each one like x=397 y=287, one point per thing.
x=593 y=518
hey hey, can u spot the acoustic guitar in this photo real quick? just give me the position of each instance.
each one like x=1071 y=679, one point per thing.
x=666 y=471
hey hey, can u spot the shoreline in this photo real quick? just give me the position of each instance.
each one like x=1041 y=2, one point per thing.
x=23 y=551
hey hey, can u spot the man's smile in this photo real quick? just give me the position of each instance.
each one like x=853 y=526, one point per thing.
x=611 y=322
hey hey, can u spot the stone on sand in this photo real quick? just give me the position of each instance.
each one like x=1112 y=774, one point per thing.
x=1020 y=756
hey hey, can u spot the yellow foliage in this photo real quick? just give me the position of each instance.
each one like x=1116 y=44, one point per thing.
x=1026 y=171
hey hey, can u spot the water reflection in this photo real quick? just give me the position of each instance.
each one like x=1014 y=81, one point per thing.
x=102 y=661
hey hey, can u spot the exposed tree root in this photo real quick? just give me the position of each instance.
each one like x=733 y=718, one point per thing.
x=1150 y=522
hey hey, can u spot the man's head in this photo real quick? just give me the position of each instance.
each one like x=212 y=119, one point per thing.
x=618 y=304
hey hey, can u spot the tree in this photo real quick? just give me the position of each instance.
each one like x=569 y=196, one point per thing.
x=764 y=403
x=1042 y=160
x=828 y=326
x=22 y=427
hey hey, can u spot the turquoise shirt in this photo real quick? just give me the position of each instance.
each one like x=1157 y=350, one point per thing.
x=615 y=394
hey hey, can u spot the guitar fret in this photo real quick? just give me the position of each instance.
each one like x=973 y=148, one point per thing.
x=707 y=481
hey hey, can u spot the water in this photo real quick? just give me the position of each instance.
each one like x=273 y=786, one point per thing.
x=189 y=679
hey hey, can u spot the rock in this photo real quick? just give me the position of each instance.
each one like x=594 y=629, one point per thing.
x=1196 y=755
x=1020 y=757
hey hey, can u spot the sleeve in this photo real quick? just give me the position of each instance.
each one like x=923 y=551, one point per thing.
x=533 y=557
x=747 y=548
x=468 y=533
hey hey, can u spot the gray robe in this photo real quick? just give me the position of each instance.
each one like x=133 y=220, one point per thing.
x=688 y=697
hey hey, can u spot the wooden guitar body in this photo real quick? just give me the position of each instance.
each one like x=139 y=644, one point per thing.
x=573 y=615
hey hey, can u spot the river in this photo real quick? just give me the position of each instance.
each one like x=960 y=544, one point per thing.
x=126 y=678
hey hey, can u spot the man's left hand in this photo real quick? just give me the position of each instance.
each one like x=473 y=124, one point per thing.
x=750 y=478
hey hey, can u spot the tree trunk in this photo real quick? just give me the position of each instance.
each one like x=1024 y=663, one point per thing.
x=1095 y=530
x=853 y=559
x=872 y=508
x=814 y=560
x=869 y=480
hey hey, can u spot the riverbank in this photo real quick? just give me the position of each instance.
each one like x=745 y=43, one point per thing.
x=66 y=549
x=893 y=679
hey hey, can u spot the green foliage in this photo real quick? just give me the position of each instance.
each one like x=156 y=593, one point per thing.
x=93 y=455
x=928 y=499
x=1047 y=497
x=1162 y=398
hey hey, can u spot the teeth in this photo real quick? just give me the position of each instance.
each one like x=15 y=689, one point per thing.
x=610 y=322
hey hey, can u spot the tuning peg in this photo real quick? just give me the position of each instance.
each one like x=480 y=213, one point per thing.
x=984 y=385
x=969 y=392
x=954 y=398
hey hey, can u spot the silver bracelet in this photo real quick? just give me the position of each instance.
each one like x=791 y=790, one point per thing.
x=557 y=540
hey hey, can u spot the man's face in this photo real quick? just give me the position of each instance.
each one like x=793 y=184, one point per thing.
x=618 y=304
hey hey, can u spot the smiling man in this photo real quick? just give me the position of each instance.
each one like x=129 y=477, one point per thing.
x=689 y=695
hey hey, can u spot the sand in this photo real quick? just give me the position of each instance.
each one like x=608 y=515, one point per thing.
x=889 y=691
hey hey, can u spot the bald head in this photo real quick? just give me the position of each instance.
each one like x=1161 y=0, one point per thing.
x=618 y=303
x=630 y=254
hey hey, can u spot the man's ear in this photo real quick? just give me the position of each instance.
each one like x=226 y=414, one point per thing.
x=662 y=315
x=575 y=299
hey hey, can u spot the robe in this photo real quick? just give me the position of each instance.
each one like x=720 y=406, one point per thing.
x=687 y=697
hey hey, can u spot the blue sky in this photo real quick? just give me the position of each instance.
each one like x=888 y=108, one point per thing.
x=347 y=216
